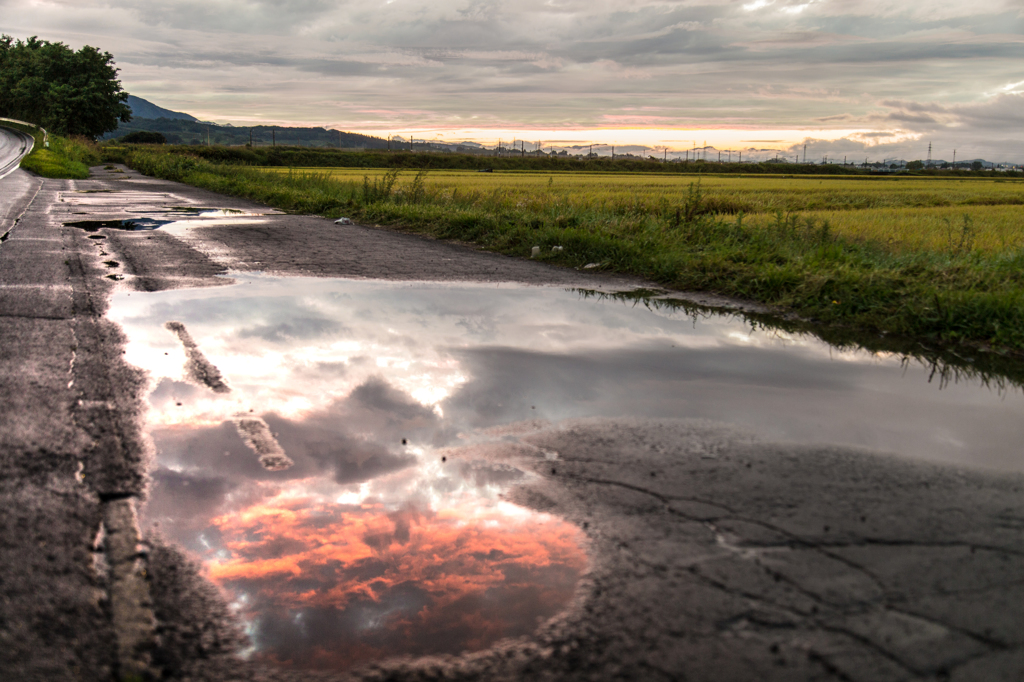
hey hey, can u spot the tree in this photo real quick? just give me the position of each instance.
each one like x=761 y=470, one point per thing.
x=66 y=92
x=915 y=165
x=977 y=165
x=143 y=137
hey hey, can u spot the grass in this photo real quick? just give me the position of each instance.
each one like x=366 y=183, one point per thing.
x=905 y=214
x=935 y=259
x=66 y=158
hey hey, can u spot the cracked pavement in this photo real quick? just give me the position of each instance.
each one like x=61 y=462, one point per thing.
x=715 y=555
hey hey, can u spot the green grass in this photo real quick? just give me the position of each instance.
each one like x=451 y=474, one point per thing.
x=66 y=158
x=948 y=291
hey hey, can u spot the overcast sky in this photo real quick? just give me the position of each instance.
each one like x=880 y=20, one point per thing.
x=876 y=77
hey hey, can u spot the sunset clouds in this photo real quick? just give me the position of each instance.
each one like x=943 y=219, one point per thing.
x=389 y=532
x=423 y=560
x=487 y=69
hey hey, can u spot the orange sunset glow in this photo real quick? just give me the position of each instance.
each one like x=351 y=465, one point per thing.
x=293 y=553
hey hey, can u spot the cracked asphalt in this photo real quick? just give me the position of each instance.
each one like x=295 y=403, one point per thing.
x=715 y=555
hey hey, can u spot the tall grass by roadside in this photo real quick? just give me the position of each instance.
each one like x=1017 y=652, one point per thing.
x=904 y=214
x=66 y=158
x=956 y=294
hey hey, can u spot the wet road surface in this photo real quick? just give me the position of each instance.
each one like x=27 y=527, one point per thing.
x=668 y=496
x=13 y=146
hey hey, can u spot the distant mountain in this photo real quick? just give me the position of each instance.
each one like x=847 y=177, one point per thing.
x=191 y=131
x=145 y=109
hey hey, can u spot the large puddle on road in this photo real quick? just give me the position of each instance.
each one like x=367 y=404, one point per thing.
x=300 y=426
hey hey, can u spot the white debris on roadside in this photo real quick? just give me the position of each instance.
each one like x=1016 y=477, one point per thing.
x=591 y=266
x=556 y=249
x=343 y=221
x=534 y=252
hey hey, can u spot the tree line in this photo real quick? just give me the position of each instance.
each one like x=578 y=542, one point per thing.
x=64 y=91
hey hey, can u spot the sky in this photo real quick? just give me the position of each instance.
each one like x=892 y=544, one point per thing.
x=868 y=78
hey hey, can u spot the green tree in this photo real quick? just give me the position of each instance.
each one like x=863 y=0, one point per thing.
x=915 y=165
x=143 y=137
x=66 y=92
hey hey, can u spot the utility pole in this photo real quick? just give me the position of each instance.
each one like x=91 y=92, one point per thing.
x=591 y=154
x=954 y=158
x=929 y=155
x=705 y=150
x=497 y=150
x=207 y=136
x=613 y=152
x=273 y=136
x=719 y=156
x=741 y=156
x=250 y=140
x=805 y=153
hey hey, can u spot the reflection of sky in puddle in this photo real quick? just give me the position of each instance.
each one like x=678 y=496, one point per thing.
x=368 y=544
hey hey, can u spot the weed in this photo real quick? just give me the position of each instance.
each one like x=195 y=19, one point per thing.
x=960 y=240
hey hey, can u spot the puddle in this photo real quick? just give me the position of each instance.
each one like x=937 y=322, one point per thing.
x=168 y=218
x=368 y=543
x=134 y=224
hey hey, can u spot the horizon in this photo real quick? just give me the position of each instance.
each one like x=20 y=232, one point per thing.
x=868 y=79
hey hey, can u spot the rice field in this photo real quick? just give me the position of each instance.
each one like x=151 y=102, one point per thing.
x=900 y=213
x=927 y=259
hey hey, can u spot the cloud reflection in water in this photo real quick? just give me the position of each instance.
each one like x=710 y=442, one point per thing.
x=368 y=544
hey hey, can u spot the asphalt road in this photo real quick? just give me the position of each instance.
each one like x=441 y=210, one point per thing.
x=715 y=555
x=13 y=146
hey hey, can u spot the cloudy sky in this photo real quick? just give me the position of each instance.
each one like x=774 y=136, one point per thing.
x=861 y=77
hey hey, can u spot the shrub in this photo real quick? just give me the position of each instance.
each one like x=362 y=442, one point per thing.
x=143 y=137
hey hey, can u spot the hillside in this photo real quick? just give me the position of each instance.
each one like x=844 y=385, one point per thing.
x=142 y=108
x=192 y=132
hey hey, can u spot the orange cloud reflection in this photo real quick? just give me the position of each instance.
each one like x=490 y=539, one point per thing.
x=379 y=580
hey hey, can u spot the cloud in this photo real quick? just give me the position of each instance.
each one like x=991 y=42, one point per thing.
x=368 y=66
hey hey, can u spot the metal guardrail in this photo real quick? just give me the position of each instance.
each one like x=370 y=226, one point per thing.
x=46 y=135
x=10 y=164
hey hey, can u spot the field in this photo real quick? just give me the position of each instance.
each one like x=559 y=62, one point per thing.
x=901 y=213
x=935 y=259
